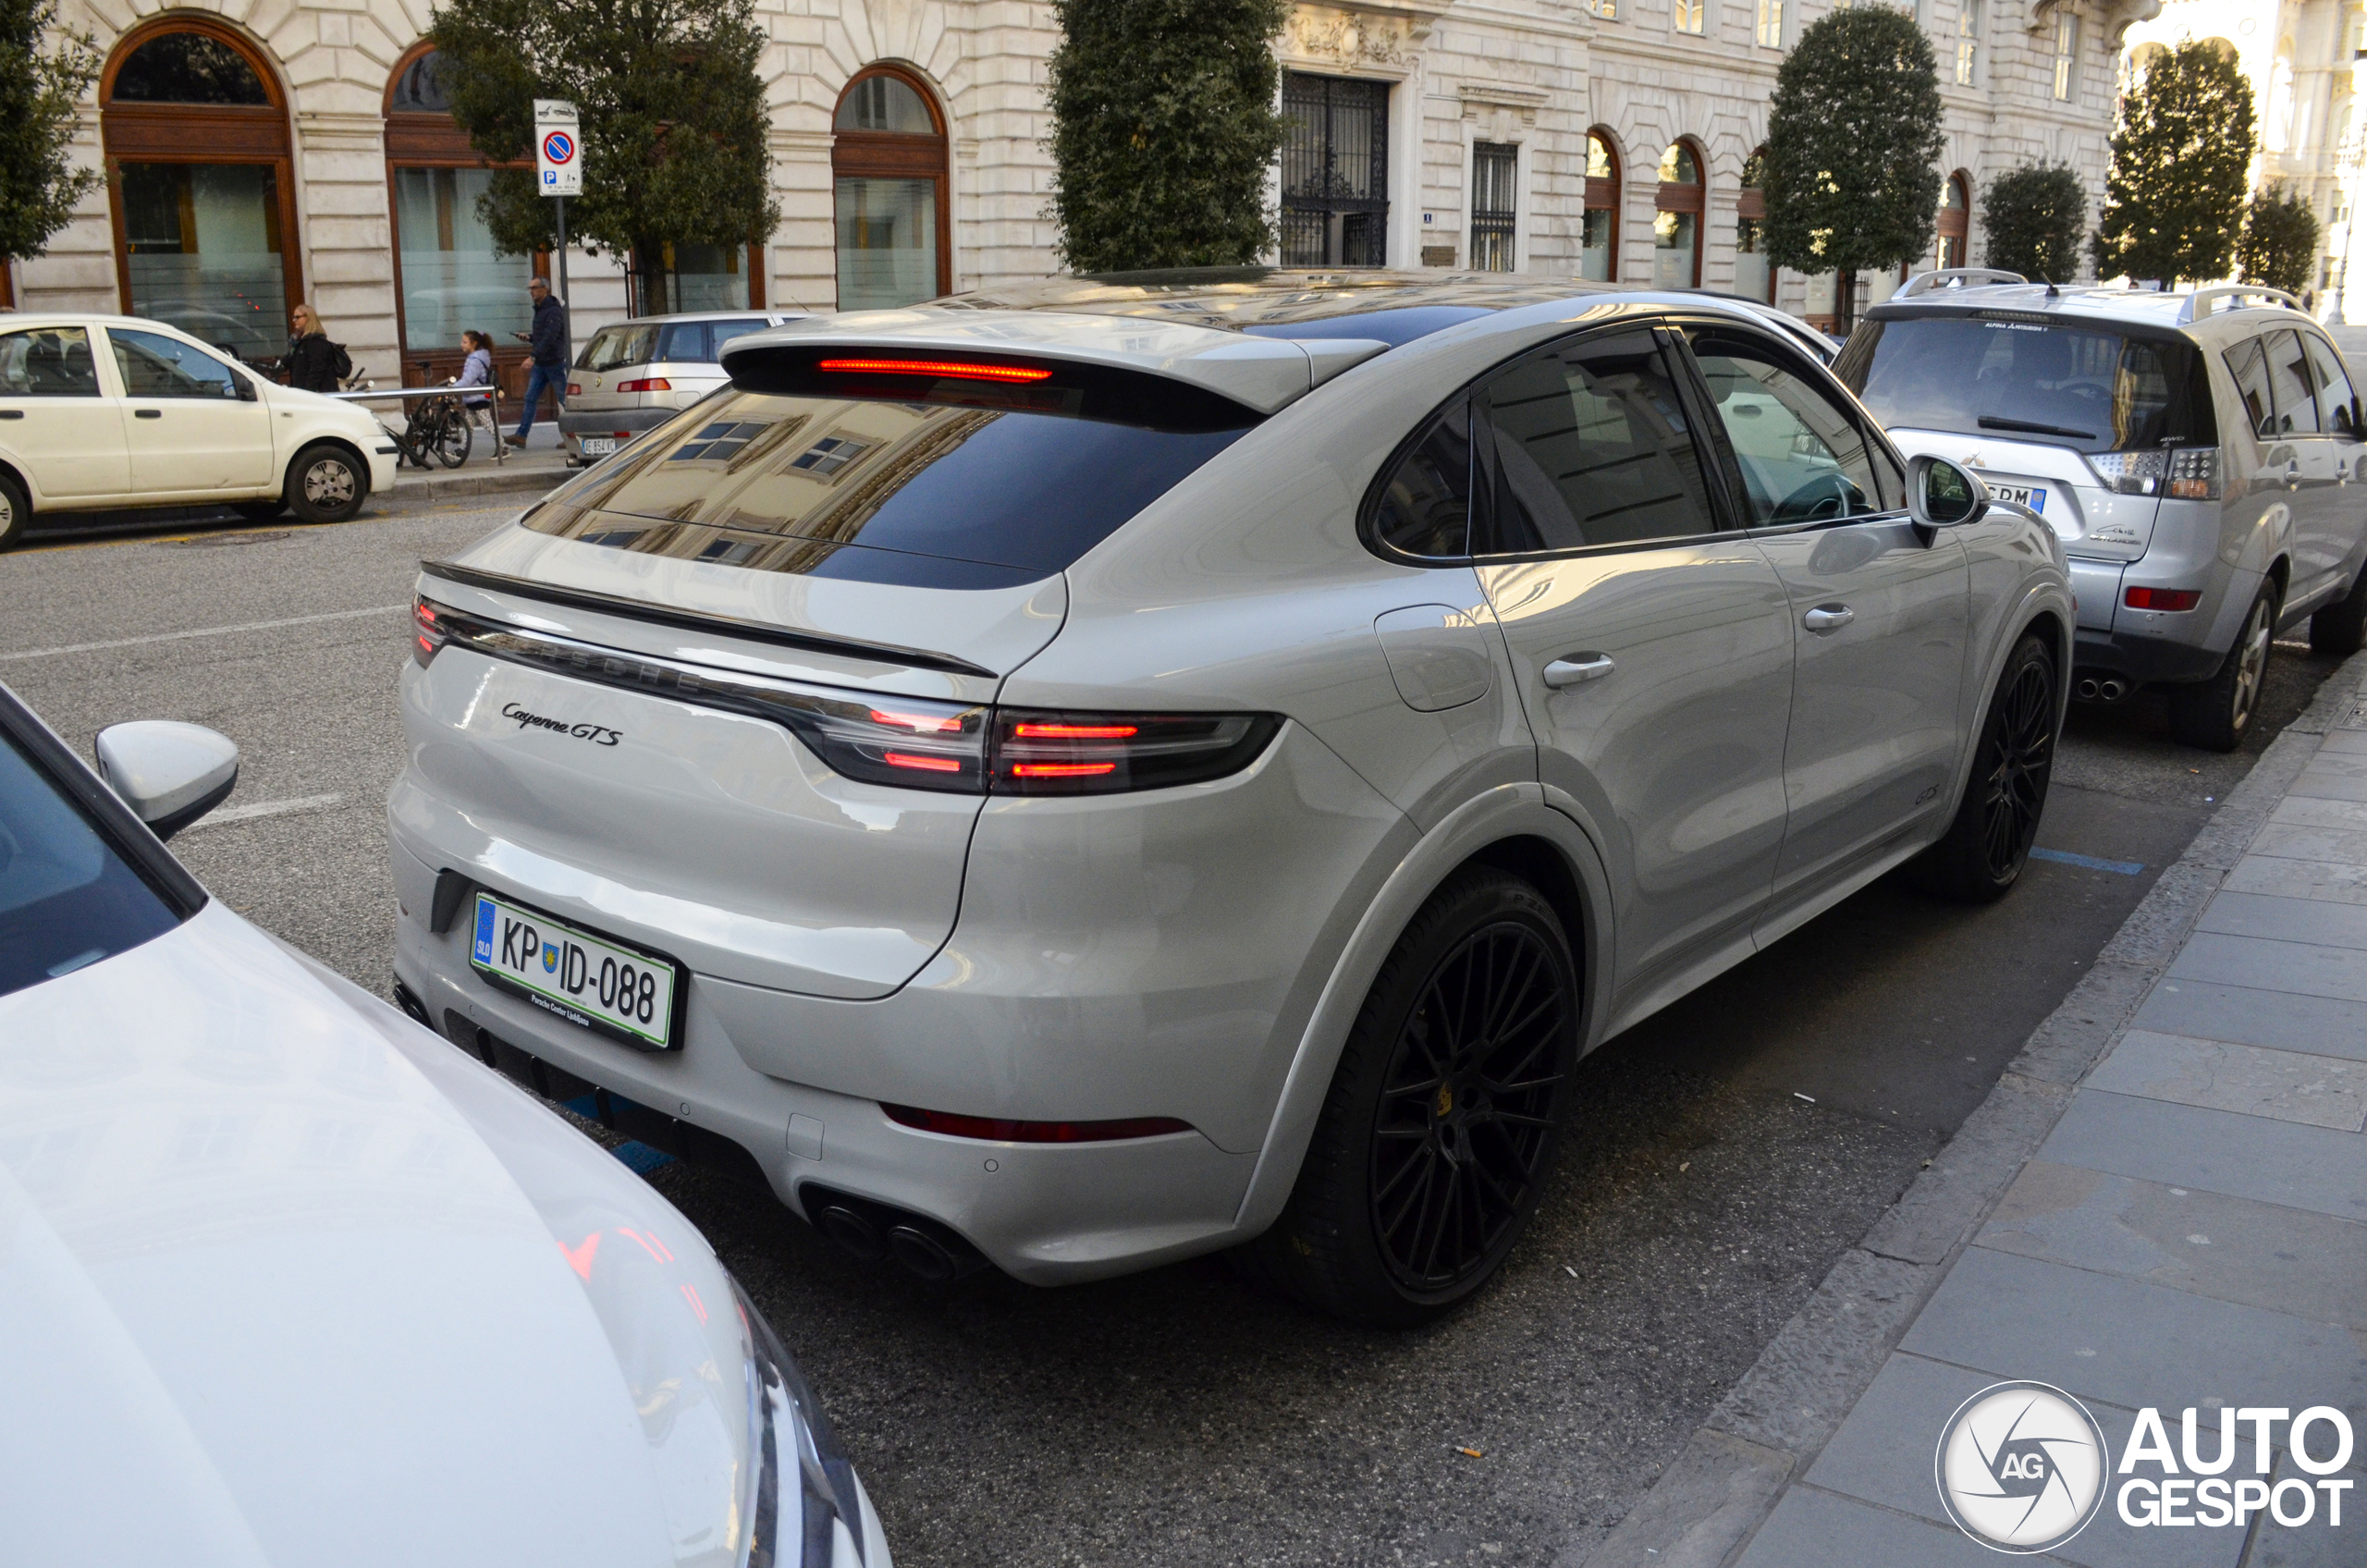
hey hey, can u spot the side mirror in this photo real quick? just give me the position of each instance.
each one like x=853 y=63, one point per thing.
x=1941 y=495
x=243 y=389
x=168 y=774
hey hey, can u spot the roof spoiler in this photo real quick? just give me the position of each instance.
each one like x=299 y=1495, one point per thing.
x=1954 y=277
x=2202 y=301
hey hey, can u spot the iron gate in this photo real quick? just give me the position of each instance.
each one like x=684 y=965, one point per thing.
x=1336 y=172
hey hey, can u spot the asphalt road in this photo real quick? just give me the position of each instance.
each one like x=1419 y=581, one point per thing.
x=1724 y=1153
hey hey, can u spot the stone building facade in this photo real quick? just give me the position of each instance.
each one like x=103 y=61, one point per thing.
x=259 y=152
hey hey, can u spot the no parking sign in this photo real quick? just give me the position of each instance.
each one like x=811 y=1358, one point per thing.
x=559 y=162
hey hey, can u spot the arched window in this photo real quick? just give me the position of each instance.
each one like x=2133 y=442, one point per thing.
x=893 y=204
x=1599 y=237
x=1956 y=218
x=1676 y=227
x=1753 y=276
x=447 y=275
x=197 y=158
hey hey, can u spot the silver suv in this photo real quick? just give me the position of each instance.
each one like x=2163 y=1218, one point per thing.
x=634 y=375
x=2195 y=452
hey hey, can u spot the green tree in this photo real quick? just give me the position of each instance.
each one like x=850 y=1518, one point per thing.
x=2280 y=242
x=1164 y=131
x=2181 y=157
x=1853 y=148
x=2035 y=218
x=673 y=122
x=44 y=70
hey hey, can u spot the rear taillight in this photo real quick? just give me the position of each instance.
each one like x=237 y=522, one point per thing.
x=1047 y=752
x=2194 y=474
x=2132 y=473
x=574 y=389
x=427 y=632
x=2161 y=598
x=911 y=742
x=654 y=384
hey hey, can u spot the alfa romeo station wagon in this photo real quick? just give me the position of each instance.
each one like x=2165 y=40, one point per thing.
x=1083 y=775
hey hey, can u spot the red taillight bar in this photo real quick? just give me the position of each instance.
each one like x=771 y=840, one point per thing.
x=996 y=1130
x=1075 y=731
x=2161 y=598
x=938 y=367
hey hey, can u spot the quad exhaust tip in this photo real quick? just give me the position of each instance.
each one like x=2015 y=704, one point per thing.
x=869 y=1231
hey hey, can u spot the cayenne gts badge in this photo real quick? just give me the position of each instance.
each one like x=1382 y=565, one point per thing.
x=599 y=735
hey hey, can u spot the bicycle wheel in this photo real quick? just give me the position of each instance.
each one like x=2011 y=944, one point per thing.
x=451 y=437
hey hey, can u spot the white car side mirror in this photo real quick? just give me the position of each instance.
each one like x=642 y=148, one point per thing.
x=169 y=774
x=1941 y=495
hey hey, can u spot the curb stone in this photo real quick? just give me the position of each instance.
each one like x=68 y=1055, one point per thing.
x=435 y=487
x=1773 y=1423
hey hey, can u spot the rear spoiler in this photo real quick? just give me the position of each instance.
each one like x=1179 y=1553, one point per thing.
x=1260 y=374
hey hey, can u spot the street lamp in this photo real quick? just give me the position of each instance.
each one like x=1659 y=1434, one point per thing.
x=2348 y=161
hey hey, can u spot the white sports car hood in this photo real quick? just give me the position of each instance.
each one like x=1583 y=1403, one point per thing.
x=285 y=1279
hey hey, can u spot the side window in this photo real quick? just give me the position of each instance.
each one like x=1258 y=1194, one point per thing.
x=685 y=342
x=2334 y=394
x=723 y=332
x=2250 y=367
x=1592 y=447
x=48 y=362
x=156 y=366
x=1426 y=507
x=2290 y=384
x=1803 y=457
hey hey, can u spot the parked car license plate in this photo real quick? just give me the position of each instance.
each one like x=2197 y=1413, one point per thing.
x=594 y=981
x=2030 y=495
x=597 y=445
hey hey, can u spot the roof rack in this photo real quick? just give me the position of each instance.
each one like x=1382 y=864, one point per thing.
x=1954 y=277
x=2200 y=303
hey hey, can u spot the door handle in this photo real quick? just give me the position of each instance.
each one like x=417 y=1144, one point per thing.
x=1578 y=670
x=148 y=414
x=12 y=413
x=1827 y=618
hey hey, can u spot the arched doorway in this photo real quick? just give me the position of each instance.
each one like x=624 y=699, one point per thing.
x=1677 y=225
x=1956 y=219
x=1599 y=236
x=203 y=198
x=447 y=274
x=892 y=197
x=1753 y=277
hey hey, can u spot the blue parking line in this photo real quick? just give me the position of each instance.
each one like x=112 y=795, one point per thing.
x=639 y=1156
x=2124 y=867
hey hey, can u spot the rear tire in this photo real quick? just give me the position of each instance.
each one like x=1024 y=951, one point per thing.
x=2341 y=628
x=16 y=512
x=1439 y=1129
x=326 y=483
x=1982 y=855
x=2217 y=714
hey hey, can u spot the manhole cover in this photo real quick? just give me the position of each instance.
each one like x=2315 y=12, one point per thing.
x=209 y=540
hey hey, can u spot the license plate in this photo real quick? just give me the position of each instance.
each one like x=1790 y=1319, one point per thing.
x=2032 y=497
x=597 y=445
x=595 y=982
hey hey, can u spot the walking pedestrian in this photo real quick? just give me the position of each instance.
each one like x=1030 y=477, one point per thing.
x=476 y=370
x=548 y=343
x=314 y=364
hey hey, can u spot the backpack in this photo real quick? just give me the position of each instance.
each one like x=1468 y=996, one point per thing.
x=341 y=361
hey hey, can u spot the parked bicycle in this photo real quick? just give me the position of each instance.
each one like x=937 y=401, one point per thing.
x=437 y=431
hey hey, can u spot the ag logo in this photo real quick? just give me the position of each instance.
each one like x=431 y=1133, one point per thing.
x=2021 y=1467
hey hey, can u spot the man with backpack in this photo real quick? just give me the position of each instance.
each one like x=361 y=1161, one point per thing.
x=548 y=349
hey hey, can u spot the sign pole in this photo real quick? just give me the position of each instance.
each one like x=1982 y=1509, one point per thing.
x=566 y=311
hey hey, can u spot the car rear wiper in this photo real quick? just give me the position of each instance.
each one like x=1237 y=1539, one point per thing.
x=1989 y=422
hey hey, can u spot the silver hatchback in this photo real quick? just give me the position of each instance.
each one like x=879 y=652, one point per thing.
x=2200 y=455
x=634 y=375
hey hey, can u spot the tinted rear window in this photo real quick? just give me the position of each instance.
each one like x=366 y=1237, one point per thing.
x=2082 y=386
x=630 y=343
x=68 y=899
x=945 y=483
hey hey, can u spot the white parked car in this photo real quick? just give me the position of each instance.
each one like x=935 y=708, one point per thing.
x=112 y=412
x=285 y=1279
x=634 y=375
x=1089 y=774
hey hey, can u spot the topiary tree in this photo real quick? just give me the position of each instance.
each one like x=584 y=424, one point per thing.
x=2035 y=218
x=2280 y=242
x=44 y=70
x=1164 y=131
x=2181 y=160
x=673 y=122
x=1853 y=149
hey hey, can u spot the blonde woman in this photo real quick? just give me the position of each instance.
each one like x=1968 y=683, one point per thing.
x=313 y=362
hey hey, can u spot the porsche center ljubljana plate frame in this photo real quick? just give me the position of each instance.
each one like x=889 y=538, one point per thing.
x=594 y=981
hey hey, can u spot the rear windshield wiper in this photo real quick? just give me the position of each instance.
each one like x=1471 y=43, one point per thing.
x=1989 y=422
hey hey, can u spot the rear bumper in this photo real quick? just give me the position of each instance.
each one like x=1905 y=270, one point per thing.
x=2149 y=646
x=608 y=421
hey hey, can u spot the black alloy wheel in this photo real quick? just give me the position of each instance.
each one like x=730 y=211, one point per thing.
x=1439 y=1130
x=1981 y=855
x=1468 y=1108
